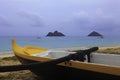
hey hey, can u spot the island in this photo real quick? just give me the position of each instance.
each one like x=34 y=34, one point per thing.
x=55 y=33
x=95 y=34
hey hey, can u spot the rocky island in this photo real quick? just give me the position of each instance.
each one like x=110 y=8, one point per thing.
x=55 y=33
x=95 y=34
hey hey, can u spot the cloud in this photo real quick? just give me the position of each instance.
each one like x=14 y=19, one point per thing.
x=105 y=22
x=99 y=20
x=4 y=22
x=34 y=19
x=81 y=14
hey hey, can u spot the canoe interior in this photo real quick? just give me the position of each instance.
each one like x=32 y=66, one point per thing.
x=107 y=59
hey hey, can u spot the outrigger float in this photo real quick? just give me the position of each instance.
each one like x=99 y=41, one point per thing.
x=64 y=65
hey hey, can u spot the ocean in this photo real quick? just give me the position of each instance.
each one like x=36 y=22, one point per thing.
x=57 y=42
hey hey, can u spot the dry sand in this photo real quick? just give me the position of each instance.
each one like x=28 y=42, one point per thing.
x=10 y=59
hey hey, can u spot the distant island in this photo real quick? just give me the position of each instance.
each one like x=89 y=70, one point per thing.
x=55 y=33
x=95 y=34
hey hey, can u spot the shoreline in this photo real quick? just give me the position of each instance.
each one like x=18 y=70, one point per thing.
x=6 y=54
x=10 y=53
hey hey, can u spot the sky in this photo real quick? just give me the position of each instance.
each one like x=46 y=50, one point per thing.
x=71 y=17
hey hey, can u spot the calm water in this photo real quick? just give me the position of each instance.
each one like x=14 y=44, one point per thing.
x=58 y=42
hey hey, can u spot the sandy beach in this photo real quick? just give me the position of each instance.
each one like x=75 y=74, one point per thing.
x=10 y=59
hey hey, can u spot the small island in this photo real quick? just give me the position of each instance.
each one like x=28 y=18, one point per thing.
x=95 y=34
x=55 y=33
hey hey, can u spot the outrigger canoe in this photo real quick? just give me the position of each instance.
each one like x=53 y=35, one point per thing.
x=51 y=65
